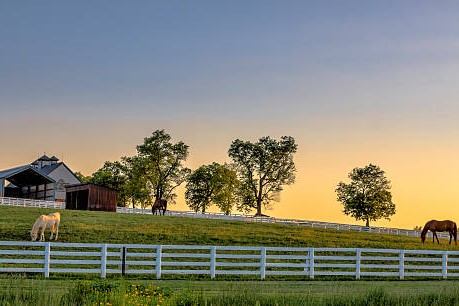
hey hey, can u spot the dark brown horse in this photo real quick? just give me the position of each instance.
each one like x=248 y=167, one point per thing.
x=440 y=226
x=160 y=204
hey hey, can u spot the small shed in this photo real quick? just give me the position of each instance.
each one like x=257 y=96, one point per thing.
x=89 y=196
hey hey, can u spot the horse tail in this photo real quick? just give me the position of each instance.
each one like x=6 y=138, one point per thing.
x=455 y=232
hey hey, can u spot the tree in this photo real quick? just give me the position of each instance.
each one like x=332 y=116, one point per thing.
x=211 y=184
x=136 y=187
x=82 y=177
x=226 y=196
x=368 y=196
x=263 y=168
x=161 y=162
x=111 y=175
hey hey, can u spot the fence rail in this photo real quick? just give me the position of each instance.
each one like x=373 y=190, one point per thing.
x=295 y=222
x=7 y=201
x=214 y=261
x=233 y=217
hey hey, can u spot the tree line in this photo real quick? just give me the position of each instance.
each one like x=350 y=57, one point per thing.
x=255 y=178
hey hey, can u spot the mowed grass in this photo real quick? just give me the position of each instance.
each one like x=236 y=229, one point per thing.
x=21 y=291
x=108 y=227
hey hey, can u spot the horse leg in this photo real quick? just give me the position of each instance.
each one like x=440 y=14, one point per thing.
x=52 y=232
x=438 y=242
x=42 y=234
x=57 y=230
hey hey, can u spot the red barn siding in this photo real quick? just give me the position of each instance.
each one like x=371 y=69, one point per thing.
x=91 y=197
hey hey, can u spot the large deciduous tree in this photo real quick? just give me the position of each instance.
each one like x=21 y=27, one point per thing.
x=211 y=184
x=162 y=164
x=136 y=187
x=263 y=168
x=367 y=197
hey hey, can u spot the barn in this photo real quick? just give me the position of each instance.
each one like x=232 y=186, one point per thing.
x=43 y=179
x=89 y=196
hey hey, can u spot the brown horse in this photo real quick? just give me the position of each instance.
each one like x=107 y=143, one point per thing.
x=440 y=226
x=160 y=204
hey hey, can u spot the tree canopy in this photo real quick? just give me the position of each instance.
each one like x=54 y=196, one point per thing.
x=212 y=184
x=152 y=174
x=263 y=168
x=162 y=164
x=367 y=197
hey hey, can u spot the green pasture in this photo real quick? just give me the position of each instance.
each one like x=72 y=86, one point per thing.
x=99 y=227
x=107 y=227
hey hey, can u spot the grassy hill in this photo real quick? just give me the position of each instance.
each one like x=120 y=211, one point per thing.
x=99 y=227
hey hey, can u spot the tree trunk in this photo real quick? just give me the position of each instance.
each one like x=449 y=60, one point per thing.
x=258 y=208
x=368 y=223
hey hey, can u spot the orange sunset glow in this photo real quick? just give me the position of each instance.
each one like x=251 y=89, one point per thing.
x=377 y=84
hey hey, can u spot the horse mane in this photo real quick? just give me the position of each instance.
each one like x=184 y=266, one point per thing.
x=36 y=225
x=424 y=231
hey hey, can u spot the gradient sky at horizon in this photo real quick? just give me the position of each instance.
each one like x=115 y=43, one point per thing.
x=354 y=82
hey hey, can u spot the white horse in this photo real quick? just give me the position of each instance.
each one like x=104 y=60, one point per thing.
x=44 y=221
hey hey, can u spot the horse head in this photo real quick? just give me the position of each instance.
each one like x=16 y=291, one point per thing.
x=424 y=233
x=423 y=237
x=34 y=235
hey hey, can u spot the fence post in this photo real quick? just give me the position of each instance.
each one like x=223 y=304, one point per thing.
x=47 y=258
x=444 y=272
x=402 y=264
x=306 y=267
x=213 y=256
x=123 y=262
x=158 y=261
x=103 y=261
x=311 y=263
x=263 y=263
x=358 y=256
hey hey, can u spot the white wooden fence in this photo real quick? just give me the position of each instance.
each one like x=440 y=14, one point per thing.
x=30 y=203
x=213 y=261
x=295 y=222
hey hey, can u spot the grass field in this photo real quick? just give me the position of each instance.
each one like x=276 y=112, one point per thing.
x=85 y=226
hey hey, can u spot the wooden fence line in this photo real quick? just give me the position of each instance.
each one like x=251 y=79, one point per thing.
x=214 y=261
x=7 y=201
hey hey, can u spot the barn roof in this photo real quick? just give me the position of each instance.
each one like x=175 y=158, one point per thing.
x=49 y=168
x=26 y=175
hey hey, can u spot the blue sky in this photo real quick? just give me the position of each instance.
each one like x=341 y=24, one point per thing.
x=352 y=81
x=187 y=58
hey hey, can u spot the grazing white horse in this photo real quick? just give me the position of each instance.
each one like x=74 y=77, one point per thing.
x=44 y=221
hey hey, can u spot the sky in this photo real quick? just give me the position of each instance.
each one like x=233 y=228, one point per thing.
x=354 y=82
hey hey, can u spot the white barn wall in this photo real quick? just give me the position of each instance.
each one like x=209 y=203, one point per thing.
x=63 y=177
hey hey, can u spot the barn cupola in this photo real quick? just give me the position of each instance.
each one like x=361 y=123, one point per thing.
x=45 y=161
